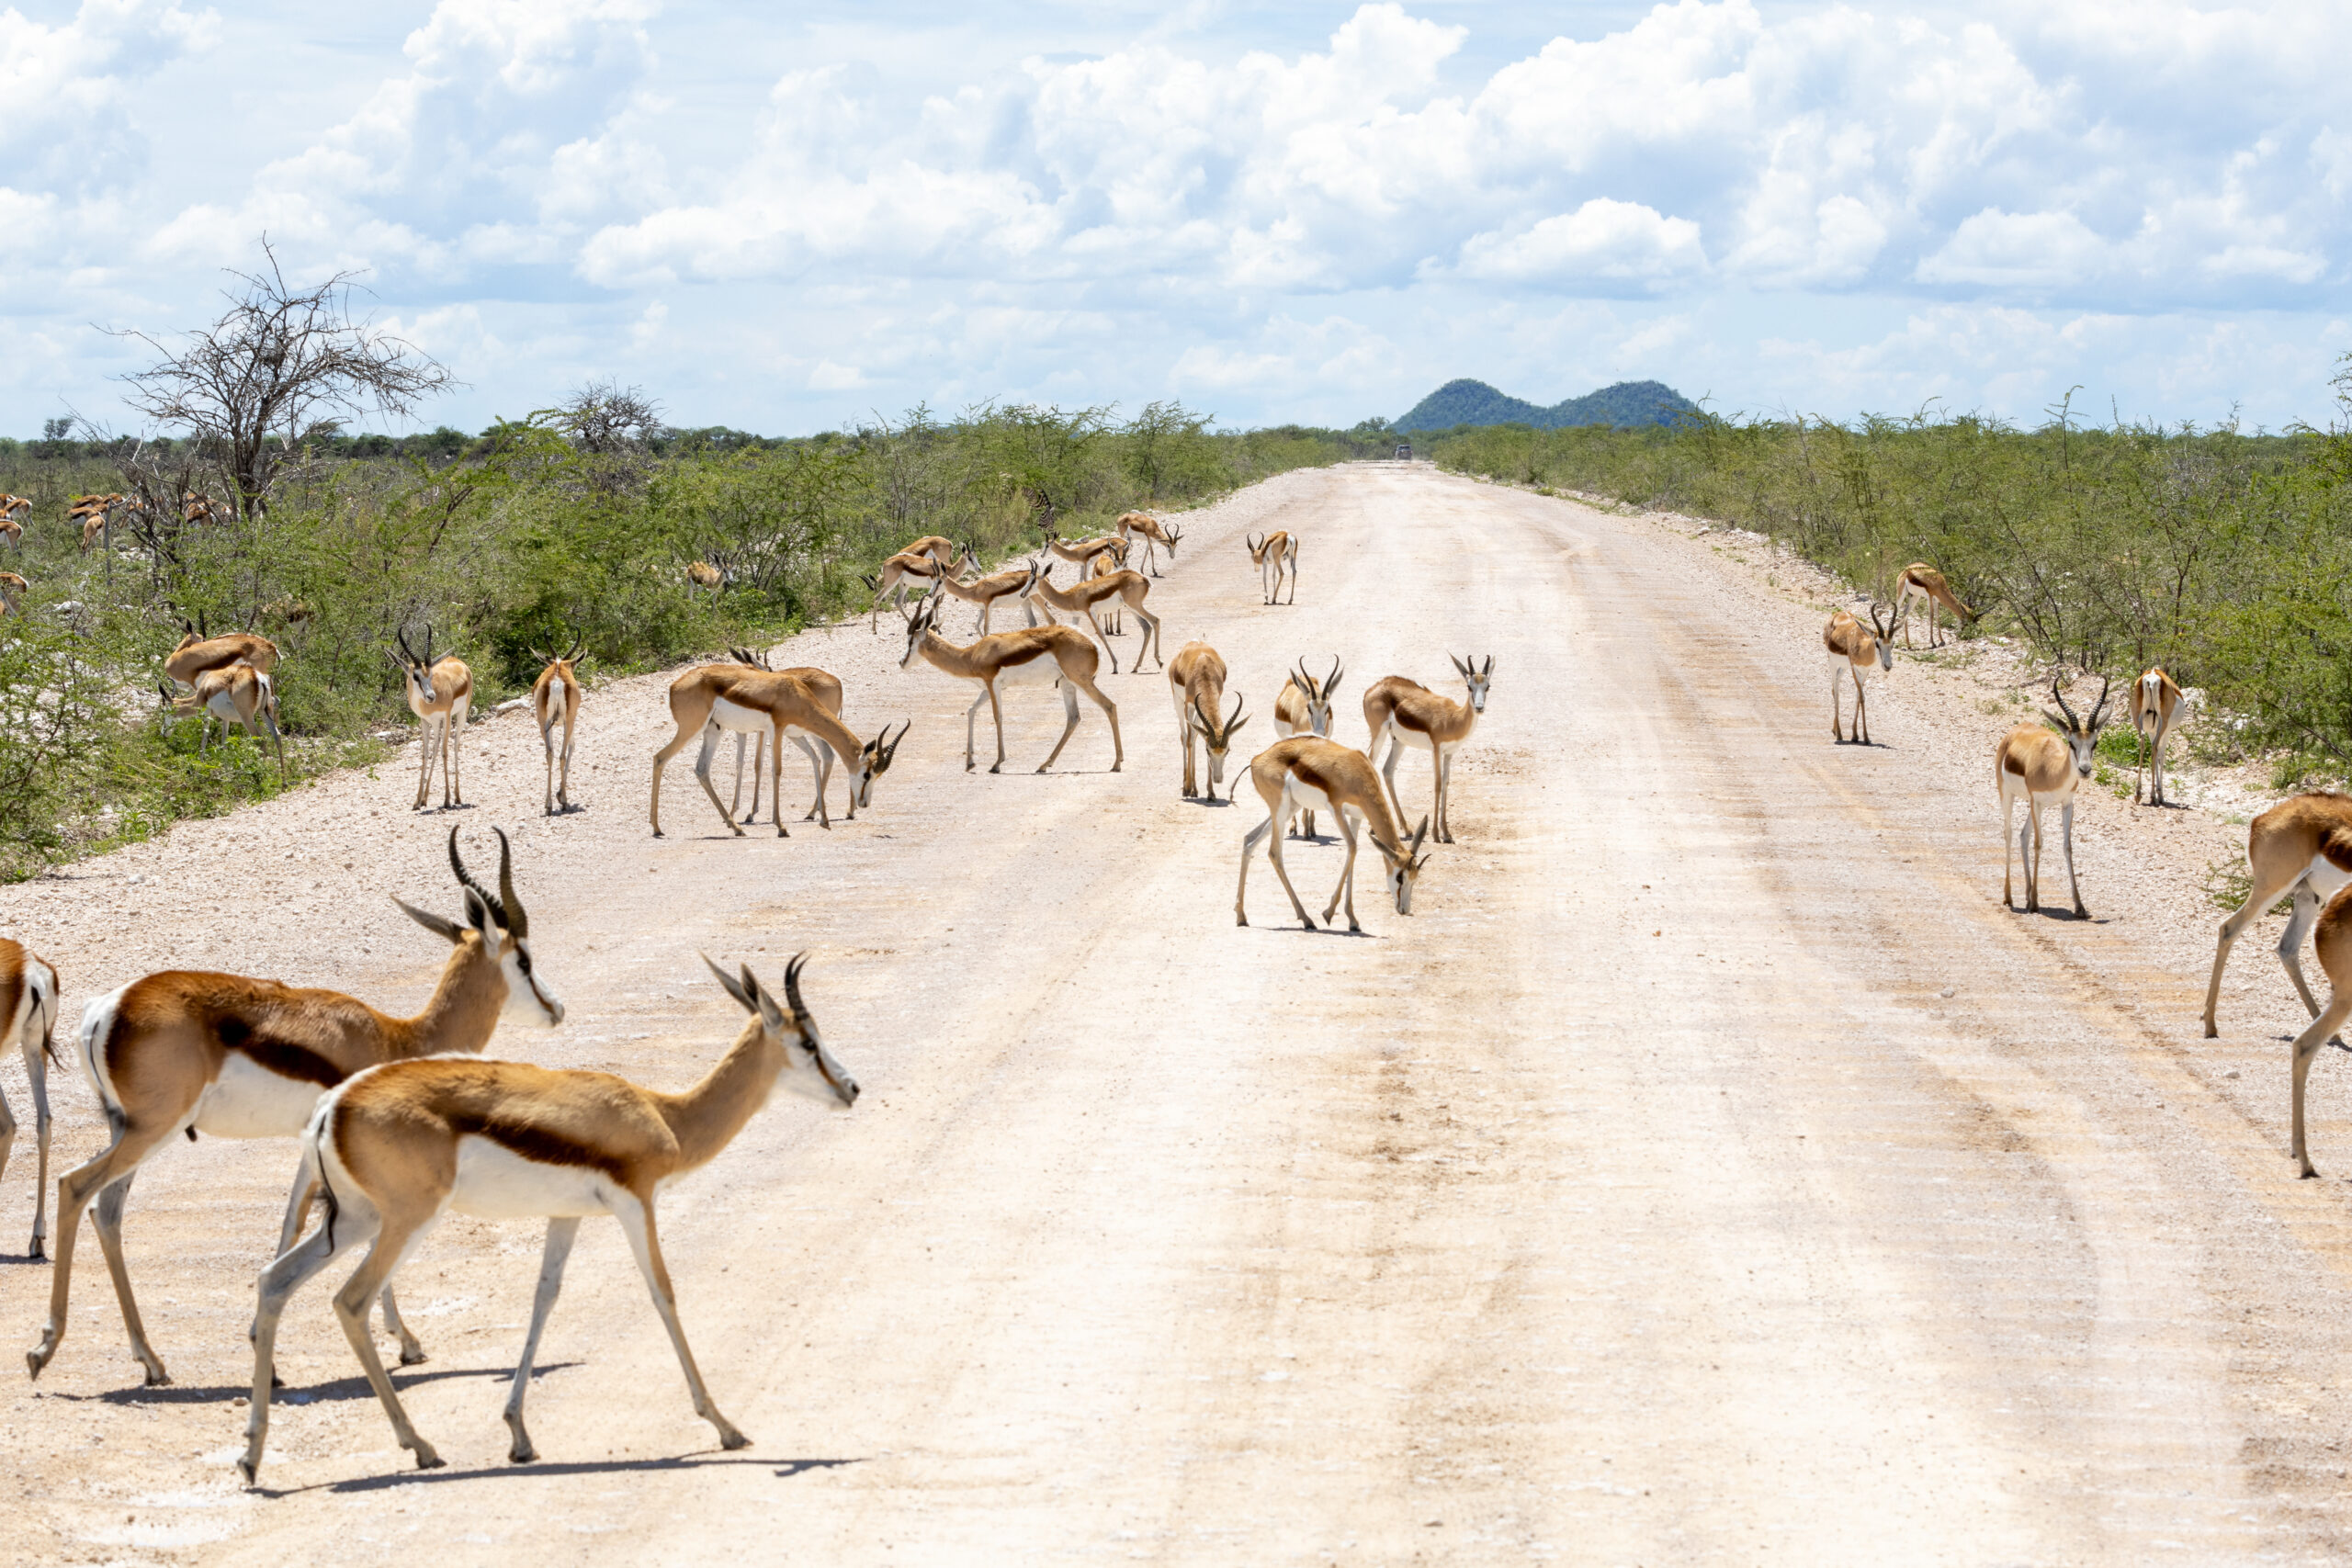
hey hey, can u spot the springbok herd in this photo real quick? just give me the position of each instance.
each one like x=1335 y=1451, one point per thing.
x=2300 y=846
x=400 y=1122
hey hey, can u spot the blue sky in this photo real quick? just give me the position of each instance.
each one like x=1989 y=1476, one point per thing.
x=788 y=219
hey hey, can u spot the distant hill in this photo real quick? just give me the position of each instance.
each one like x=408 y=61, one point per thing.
x=1474 y=402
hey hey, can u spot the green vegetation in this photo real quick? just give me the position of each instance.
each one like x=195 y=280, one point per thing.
x=1468 y=403
x=578 y=522
x=2224 y=557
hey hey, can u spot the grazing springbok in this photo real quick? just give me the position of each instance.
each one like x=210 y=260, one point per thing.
x=1407 y=713
x=1133 y=525
x=1273 y=554
x=2042 y=767
x=2303 y=846
x=1308 y=772
x=13 y=589
x=238 y=694
x=900 y=573
x=197 y=653
x=1014 y=584
x=712 y=699
x=180 y=1052
x=28 y=998
x=13 y=510
x=826 y=689
x=1304 y=708
x=2155 y=705
x=96 y=514
x=1855 y=650
x=1128 y=588
x=1056 y=653
x=1196 y=679
x=440 y=691
x=1921 y=582
x=555 y=699
x=400 y=1146
x=197 y=507
x=938 y=546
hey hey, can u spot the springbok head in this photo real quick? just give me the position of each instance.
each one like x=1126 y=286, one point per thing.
x=923 y=618
x=1257 y=548
x=418 y=671
x=1885 y=635
x=1318 y=695
x=1169 y=534
x=809 y=1068
x=2082 y=739
x=502 y=928
x=1480 y=676
x=874 y=760
x=1405 y=866
x=1202 y=722
x=578 y=652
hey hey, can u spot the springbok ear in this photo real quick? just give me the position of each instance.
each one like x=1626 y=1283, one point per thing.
x=447 y=930
x=1461 y=669
x=769 y=1014
x=728 y=983
x=479 y=914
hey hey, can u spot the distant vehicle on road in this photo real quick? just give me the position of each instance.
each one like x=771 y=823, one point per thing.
x=1404 y=451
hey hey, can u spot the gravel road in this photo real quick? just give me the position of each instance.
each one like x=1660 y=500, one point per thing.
x=1708 y=1170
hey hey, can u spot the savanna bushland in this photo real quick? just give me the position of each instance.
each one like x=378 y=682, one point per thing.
x=2223 y=556
x=574 y=522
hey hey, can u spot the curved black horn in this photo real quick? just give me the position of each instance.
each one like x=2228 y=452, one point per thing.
x=2061 y=704
x=465 y=878
x=792 y=986
x=510 y=907
x=2100 y=707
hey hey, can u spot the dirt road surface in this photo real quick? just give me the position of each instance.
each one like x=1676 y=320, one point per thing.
x=1708 y=1170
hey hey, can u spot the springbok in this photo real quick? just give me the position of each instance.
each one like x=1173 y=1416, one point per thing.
x=712 y=570
x=1014 y=584
x=1919 y=581
x=439 y=691
x=179 y=1051
x=1304 y=708
x=938 y=546
x=2303 y=846
x=1196 y=679
x=1059 y=654
x=401 y=1145
x=1407 y=713
x=711 y=699
x=13 y=510
x=29 y=998
x=1084 y=553
x=555 y=699
x=1128 y=588
x=13 y=589
x=238 y=694
x=1273 y=554
x=197 y=653
x=2042 y=767
x=2155 y=705
x=1855 y=651
x=1308 y=772
x=900 y=572
x=825 y=688
x=96 y=514
x=1143 y=526
x=197 y=507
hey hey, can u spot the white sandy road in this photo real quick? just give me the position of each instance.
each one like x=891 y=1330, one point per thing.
x=1709 y=1170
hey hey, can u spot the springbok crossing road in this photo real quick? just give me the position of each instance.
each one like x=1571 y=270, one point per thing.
x=1708 y=1170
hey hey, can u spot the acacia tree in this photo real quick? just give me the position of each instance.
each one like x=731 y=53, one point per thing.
x=282 y=368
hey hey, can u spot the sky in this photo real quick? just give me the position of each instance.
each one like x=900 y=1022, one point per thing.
x=798 y=218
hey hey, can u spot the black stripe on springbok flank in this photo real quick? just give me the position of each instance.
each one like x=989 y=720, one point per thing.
x=2335 y=847
x=283 y=1057
x=541 y=1146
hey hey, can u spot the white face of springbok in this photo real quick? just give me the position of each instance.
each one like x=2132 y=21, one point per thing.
x=1404 y=866
x=1217 y=737
x=874 y=760
x=2081 y=738
x=419 y=670
x=809 y=1069
x=1479 y=677
x=1318 y=696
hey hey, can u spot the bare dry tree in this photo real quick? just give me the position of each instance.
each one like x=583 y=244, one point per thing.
x=281 y=368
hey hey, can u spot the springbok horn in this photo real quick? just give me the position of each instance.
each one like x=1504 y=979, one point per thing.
x=516 y=920
x=2100 y=707
x=791 y=988
x=2072 y=721
x=1490 y=665
x=465 y=878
